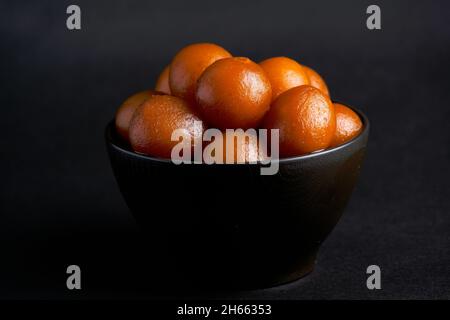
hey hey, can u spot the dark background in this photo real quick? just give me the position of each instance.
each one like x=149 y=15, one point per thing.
x=59 y=201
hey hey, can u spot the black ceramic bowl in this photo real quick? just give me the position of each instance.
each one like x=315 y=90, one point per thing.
x=227 y=225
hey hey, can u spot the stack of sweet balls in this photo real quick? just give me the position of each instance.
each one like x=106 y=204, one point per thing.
x=206 y=87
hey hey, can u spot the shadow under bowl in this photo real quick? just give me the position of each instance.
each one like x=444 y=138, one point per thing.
x=229 y=226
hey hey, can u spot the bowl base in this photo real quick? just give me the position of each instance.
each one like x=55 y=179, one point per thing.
x=185 y=272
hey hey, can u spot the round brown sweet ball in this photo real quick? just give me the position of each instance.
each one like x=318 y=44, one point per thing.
x=188 y=65
x=284 y=74
x=125 y=112
x=348 y=125
x=162 y=84
x=234 y=93
x=306 y=120
x=156 y=119
x=316 y=80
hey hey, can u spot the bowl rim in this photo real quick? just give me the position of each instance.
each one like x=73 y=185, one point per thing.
x=361 y=135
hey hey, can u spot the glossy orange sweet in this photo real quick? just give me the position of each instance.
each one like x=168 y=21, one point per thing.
x=306 y=119
x=162 y=84
x=234 y=93
x=189 y=64
x=316 y=80
x=127 y=109
x=156 y=119
x=235 y=147
x=284 y=74
x=348 y=125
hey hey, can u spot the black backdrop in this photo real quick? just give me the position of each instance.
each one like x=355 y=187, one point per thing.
x=60 y=204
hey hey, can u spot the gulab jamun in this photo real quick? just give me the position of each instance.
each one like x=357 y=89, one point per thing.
x=127 y=109
x=306 y=120
x=284 y=74
x=316 y=80
x=348 y=125
x=156 y=119
x=234 y=93
x=162 y=84
x=187 y=66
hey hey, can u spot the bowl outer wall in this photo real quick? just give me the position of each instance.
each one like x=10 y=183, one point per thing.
x=202 y=221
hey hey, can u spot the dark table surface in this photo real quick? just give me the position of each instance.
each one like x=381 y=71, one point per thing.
x=60 y=204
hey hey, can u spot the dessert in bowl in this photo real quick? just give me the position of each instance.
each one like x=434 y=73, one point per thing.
x=226 y=224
